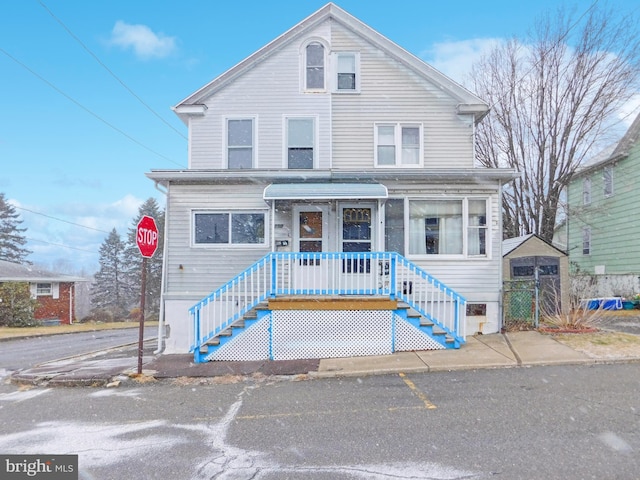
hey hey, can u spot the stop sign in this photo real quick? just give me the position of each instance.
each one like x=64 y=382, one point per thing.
x=147 y=236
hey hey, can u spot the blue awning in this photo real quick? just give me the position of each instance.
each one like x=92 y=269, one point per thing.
x=324 y=191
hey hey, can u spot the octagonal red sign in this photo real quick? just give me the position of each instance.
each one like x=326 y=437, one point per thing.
x=147 y=236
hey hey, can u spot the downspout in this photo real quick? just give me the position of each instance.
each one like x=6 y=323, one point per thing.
x=71 y=287
x=161 y=344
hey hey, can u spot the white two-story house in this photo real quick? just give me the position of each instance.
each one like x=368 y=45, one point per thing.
x=331 y=206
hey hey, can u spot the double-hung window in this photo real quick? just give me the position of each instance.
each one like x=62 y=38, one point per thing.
x=240 y=143
x=586 y=191
x=607 y=179
x=398 y=144
x=300 y=142
x=314 y=66
x=448 y=227
x=586 y=241
x=347 y=75
x=44 y=289
x=229 y=228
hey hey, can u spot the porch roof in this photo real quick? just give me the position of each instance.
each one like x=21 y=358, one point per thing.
x=324 y=191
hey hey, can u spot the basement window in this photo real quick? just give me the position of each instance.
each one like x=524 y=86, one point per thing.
x=476 y=309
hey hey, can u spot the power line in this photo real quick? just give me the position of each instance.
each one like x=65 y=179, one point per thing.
x=110 y=72
x=61 y=220
x=95 y=115
x=60 y=245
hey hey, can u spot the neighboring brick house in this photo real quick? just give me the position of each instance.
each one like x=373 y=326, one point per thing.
x=55 y=293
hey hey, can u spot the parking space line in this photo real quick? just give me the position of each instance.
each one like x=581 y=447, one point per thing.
x=417 y=391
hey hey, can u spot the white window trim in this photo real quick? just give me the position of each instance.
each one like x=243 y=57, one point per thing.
x=334 y=72
x=285 y=139
x=398 y=143
x=254 y=140
x=222 y=246
x=465 y=230
x=303 y=66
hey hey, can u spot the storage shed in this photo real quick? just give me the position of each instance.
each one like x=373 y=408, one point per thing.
x=522 y=257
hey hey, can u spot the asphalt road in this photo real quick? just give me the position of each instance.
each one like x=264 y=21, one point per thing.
x=21 y=353
x=561 y=422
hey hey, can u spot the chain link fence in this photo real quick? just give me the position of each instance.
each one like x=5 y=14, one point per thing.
x=519 y=303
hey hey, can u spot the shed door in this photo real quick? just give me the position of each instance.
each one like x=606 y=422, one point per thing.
x=524 y=268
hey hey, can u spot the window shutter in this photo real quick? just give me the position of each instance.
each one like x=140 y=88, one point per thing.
x=55 y=290
x=33 y=288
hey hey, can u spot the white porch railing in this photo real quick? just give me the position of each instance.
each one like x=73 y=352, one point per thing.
x=325 y=273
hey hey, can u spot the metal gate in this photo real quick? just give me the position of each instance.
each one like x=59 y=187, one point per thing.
x=519 y=302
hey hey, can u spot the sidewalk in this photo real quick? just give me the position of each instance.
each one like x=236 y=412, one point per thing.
x=483 y=351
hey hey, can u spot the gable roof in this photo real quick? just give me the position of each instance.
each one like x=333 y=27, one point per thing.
x=510 y=244
x=15 y=272
x=616 y=151
x=469 y=102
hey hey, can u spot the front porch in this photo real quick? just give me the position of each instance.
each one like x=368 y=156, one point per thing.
x=292 y=305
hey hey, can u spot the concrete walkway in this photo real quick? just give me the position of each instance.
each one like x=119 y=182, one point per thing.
x=483 y=351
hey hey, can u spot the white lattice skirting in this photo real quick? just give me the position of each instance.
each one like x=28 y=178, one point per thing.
x=301 y=334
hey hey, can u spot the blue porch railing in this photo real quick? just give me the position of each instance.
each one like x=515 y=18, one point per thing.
x=323 y=274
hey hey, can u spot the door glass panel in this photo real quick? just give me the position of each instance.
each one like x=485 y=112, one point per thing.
x=310 y=235
x=356 y=237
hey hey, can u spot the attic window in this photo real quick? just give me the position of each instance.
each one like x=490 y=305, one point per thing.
x=314 y=66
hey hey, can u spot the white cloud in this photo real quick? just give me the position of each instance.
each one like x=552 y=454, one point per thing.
x=630 y=111
x=455 y=58
x=142 y=40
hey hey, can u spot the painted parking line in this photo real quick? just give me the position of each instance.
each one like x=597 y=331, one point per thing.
x=418 y=392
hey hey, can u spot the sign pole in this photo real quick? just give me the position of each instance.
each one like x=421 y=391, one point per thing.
x=143 y=294
x=147 y=241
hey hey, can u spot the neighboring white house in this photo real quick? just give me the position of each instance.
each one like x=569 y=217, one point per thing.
x=331 y=138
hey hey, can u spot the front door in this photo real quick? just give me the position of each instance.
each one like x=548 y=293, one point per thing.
x=357 y=229
x=310 y=236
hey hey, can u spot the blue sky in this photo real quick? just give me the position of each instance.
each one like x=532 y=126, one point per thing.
x=86 y=89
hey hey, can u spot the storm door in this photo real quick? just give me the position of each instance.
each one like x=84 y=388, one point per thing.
x=310 y=236
x=357 y=235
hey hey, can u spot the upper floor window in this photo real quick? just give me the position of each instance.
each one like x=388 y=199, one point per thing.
x=314 y=66
x=607 y=180
x=347 y=66
x=300 y=142
x=236 y=228
x=448 y=227
x=398 y=145
x=586 y=241
x=240 y=143
x=586 y=191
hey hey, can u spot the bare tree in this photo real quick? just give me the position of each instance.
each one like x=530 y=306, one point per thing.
x=553 y=101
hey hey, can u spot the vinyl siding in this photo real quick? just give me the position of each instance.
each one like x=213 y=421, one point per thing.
x=270 y=91
x=205 y=268
x=615 y=229
x=390 y=92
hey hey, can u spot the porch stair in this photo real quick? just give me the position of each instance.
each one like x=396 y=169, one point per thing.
x=362 y=303
x=311 y=302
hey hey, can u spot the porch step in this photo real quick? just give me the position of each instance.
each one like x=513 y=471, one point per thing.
x=416 y=317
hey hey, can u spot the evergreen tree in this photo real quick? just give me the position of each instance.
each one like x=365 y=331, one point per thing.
x=110 y=290
x=16 y=305
x=133 y=259
x=11 y=238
